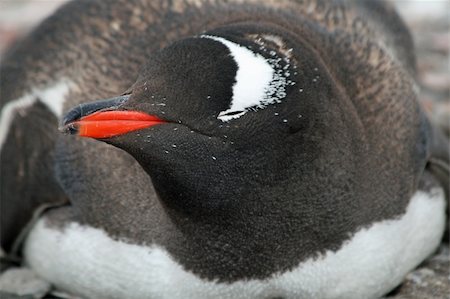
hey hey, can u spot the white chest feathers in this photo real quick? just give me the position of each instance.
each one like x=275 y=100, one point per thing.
x=85 y=261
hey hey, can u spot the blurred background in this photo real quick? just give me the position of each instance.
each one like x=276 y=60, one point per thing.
x=18 y=17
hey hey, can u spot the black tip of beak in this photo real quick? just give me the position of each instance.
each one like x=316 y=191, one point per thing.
x=69 y=129
x=81 y=110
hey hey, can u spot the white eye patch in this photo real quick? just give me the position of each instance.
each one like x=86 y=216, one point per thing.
x=259 y=81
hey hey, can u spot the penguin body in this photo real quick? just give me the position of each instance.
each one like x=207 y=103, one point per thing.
x=119 y=269
x=285 y=154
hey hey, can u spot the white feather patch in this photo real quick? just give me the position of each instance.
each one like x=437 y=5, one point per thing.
x=85 y=261
x=257 y=84
x=52 y=96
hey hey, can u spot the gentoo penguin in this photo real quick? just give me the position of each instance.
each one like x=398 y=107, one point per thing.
x=266 y=150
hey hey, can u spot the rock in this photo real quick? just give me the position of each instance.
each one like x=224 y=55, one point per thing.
x=4 y=295
x=431 y=280
x=22 y=283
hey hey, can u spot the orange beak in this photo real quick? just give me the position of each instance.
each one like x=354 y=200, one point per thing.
x=107 y=124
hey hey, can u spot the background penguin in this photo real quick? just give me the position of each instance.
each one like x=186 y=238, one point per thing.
x=85 y=170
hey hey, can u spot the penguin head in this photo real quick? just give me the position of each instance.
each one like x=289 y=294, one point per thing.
x=212 y=117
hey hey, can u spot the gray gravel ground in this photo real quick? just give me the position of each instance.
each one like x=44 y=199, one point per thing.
x=430 y=24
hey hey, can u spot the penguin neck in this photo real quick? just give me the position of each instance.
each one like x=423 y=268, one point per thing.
x=208 y=191
x=217 y=181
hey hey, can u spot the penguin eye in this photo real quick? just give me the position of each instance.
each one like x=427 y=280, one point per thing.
x=235 y=113
x=260 y=81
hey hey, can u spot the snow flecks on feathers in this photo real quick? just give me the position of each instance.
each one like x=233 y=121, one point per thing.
x=260 y=81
